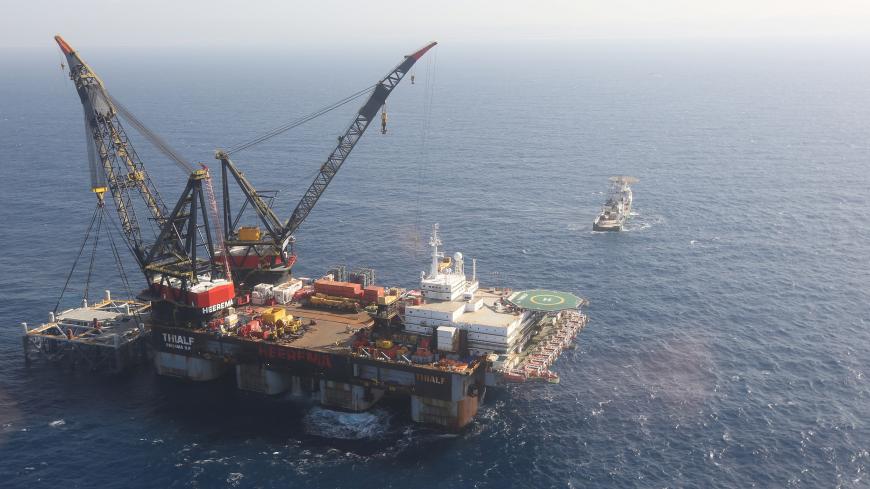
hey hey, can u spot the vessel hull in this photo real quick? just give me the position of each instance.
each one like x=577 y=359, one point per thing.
x=340 y=370
x=598 y=227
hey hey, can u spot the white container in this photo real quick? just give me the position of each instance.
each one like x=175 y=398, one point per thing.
x=282 y=296
x=284 y=293
x=472 y=305
x=264 y=289
x=447 y=338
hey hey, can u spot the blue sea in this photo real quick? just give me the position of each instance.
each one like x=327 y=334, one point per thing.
x=728 y=343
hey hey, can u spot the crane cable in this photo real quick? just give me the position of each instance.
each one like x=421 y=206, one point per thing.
x=119 y=263
x=298 y=122
x=151 y=136
x=75 y=262
x=99 y=214
x=93 y=256
x=423 y=155
x=118 y=255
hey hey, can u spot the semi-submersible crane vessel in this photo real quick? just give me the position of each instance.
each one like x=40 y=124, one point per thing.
x=219 y=296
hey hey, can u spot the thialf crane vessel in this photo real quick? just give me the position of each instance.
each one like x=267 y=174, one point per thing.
x=213 y=305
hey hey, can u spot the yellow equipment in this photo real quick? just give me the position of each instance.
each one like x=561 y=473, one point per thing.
x=99 y=191
x=272 y=316
x=249 y=233
x=293 y=326
x=333 y=302
x=385 y=344
x=287 y=325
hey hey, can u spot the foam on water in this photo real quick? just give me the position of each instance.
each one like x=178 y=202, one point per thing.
x=327 y=423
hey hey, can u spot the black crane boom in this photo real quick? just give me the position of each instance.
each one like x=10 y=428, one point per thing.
x=264 y=210
x=118 y=160
x=251 y=252
x=270 y=249
x=186 y=279
x=349 y=139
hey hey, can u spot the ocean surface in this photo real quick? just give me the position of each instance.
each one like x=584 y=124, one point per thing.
x=729 y=341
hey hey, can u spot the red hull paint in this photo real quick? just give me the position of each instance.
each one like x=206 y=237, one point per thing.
x=216 y=295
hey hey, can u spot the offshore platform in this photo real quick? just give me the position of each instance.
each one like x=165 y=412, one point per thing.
x=219 y=297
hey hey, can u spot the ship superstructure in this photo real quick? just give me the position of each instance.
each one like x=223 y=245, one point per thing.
x=617 y=207
x=458 y=311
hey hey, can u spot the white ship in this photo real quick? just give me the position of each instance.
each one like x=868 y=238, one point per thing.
x=617 y=208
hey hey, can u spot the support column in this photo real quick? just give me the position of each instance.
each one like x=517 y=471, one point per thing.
x=453 y=415
x=256 y=378
x=119 y=365
x=348 y=396
x=25 y=342
x=188 y=368
x=452 y=410
x=296 y=386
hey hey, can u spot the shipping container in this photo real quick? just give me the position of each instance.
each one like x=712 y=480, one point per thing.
x=285 y=292
x=447 y=338
x=341 y=289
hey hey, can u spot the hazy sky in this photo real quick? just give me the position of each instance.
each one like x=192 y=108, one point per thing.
x=336 y=22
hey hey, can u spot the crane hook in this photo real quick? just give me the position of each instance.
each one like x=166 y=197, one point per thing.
x=99 y=191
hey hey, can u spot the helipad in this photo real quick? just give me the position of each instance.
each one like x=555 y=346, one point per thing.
x=545 y=300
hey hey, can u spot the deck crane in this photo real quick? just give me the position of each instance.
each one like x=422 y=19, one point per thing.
x=186 y=283
x=262 y=255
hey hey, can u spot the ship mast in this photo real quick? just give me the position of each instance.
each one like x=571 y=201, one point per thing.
x=435 y=242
